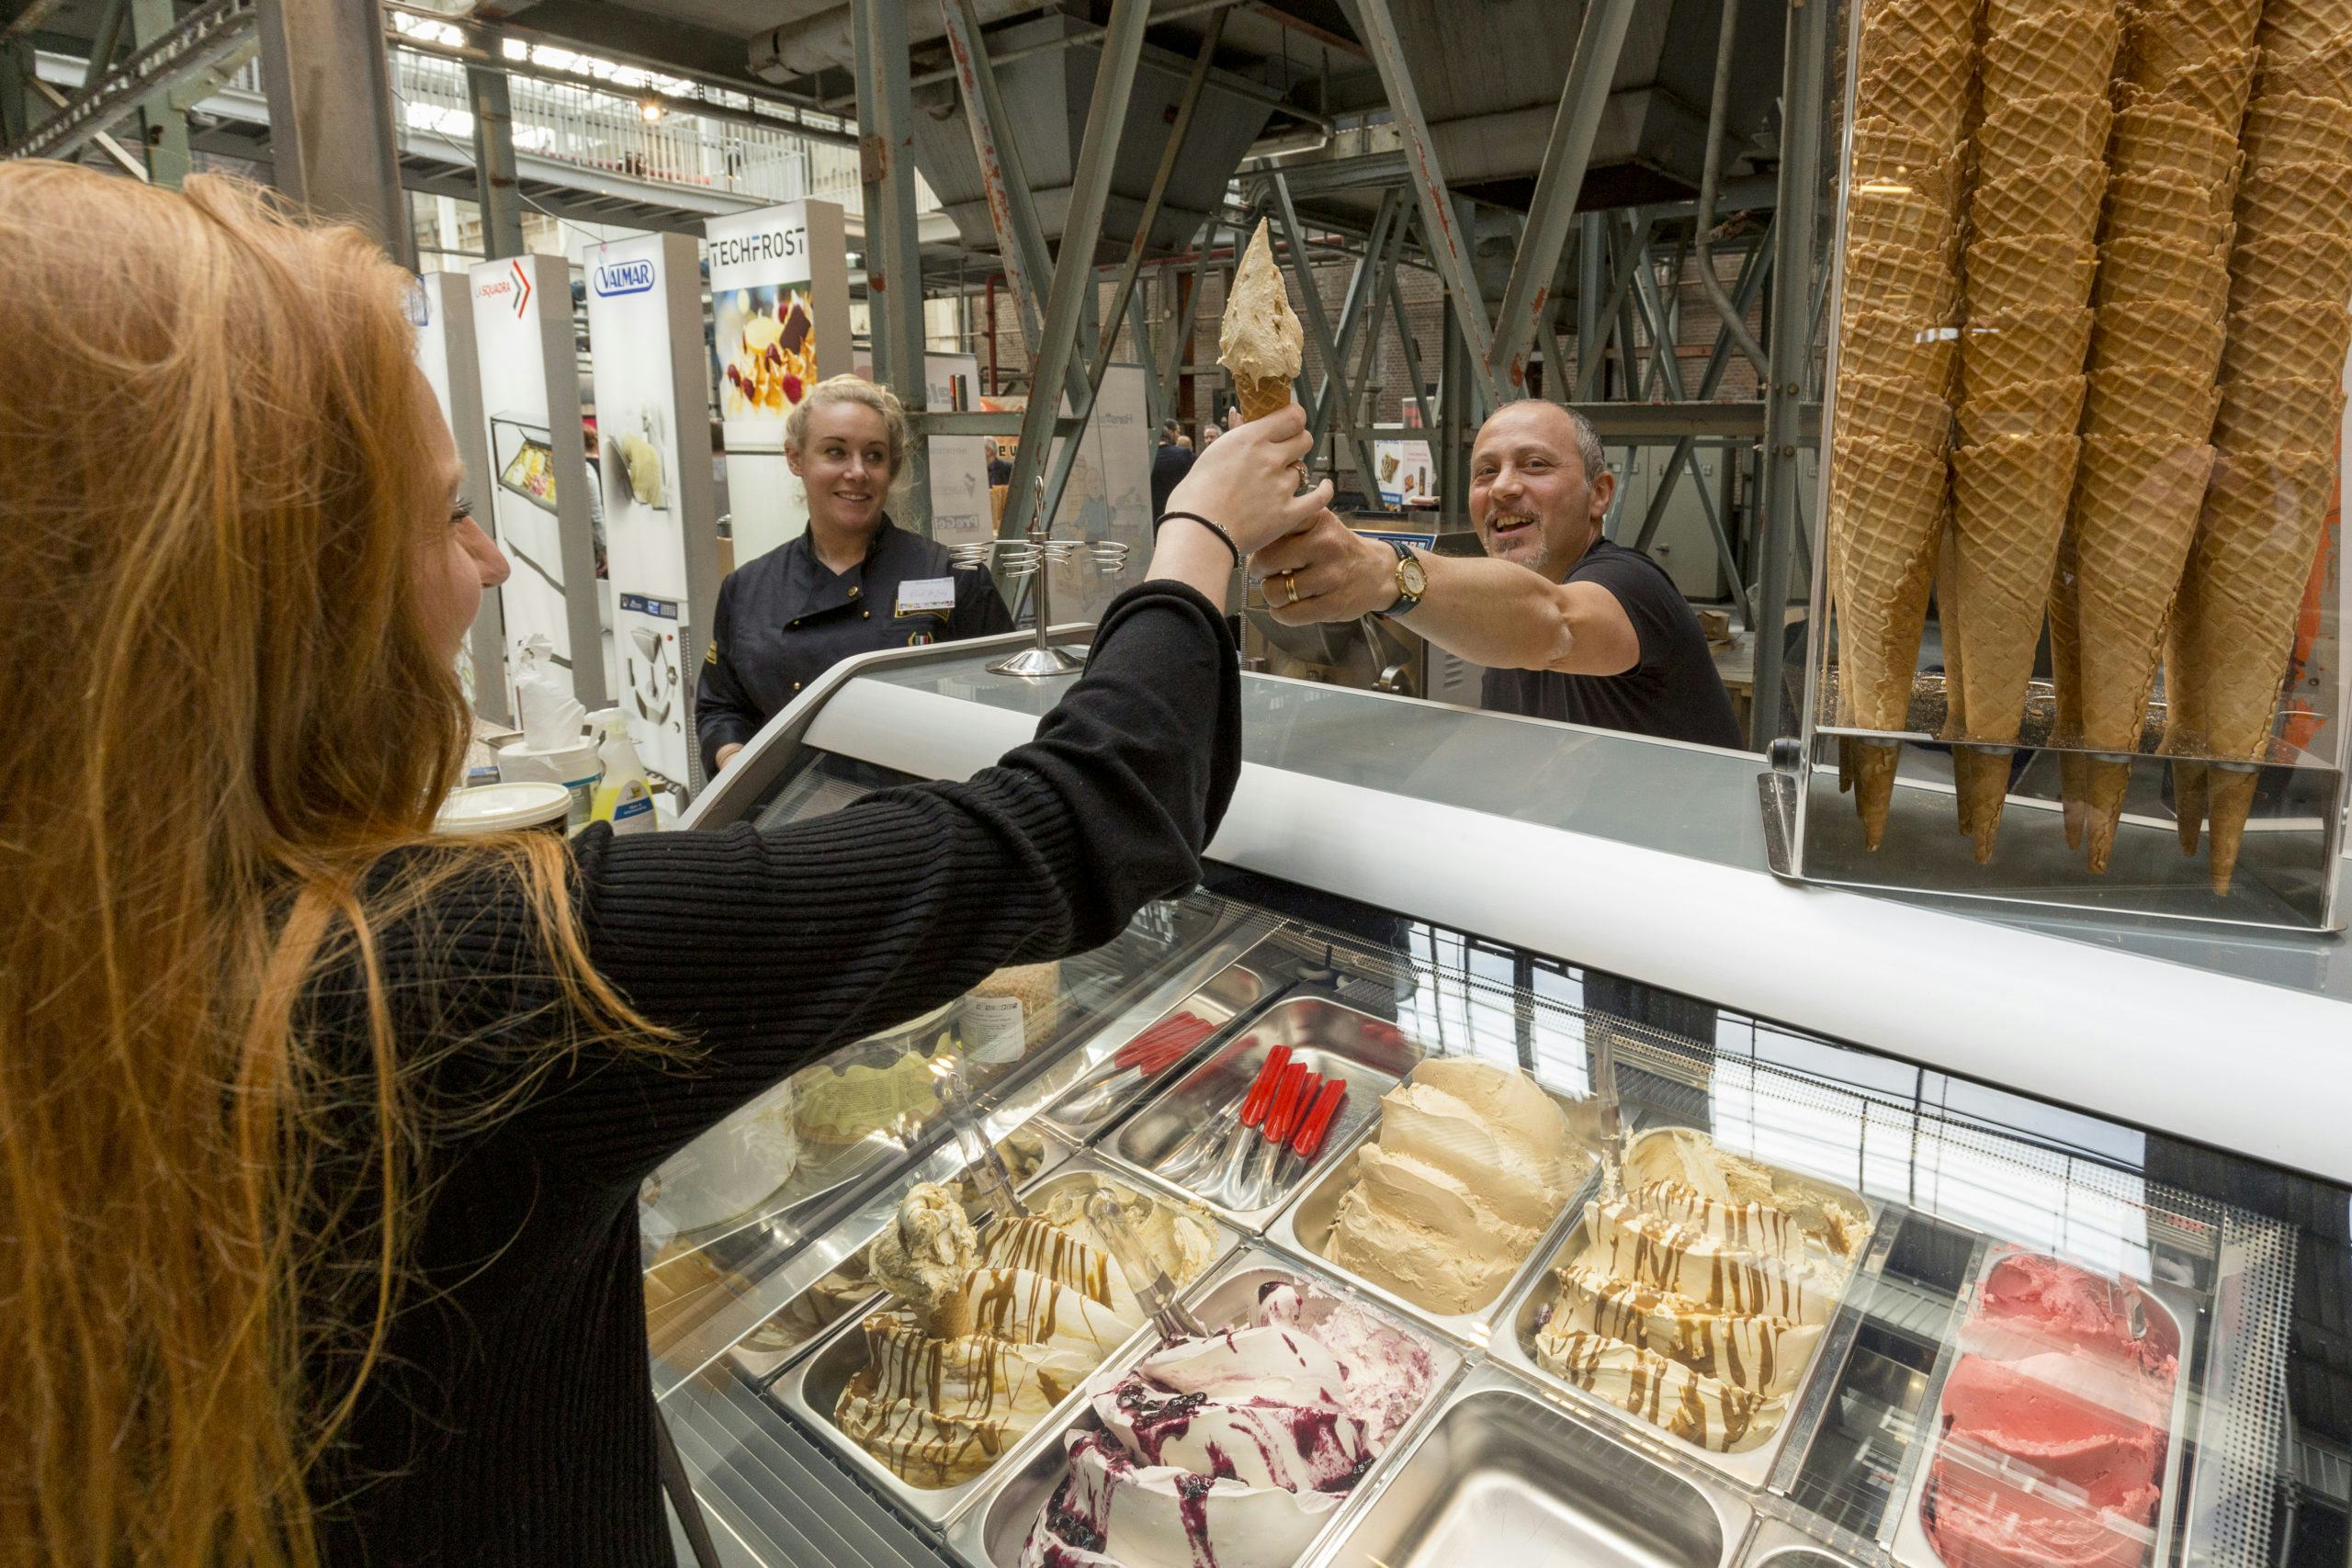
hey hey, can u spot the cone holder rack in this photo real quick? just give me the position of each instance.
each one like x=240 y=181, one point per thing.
x=1018 y=560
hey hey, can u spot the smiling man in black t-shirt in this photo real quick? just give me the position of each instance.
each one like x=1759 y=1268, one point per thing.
x=1590 y=632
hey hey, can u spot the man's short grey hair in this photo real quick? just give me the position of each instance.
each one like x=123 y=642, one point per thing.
x=1590 y=451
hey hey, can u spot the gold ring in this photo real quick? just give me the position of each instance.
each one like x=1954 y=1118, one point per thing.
x=1290 y=586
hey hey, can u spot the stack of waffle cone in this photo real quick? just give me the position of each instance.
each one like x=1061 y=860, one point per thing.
x=2281 y=404
x=2029 y=263
x=1897 y=366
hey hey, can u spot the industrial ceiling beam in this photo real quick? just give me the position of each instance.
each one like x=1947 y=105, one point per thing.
x=498 y=189
x=331 y=135
x=1567 y=155
x=893 y=257
x=201 y=38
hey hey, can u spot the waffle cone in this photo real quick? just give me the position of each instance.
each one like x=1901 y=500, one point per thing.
x=2023 y=409
x=2155 y=331
x=2135 y=270
x=1925 y=89
x=2024 y=133
x=2065 y=675
x=1886 y=214
x=1885 y=408
x=2165 y=36
x=2279 y=416
x=2322 y=71
x=1883 y=343
x=2028 y=53
x=1905 y=26
x=1949 y=617
x=2177 y=402
x=2297 y=128
x=1887 y=506
x=2229 y=801
x=1889 y=152
x=2135 y=507
x=2291 y=198
x=2216 y=87
x=1870 y=766
x=2168 y=204
x=2287 y=341
x=2009 y=503
x=2188 y=798
x=1903 y=279
x=1981 y=782
x=2175 y=136
x=2028 y=272
x=2314 y=266
x=2057 y=198
x=1260 y=398
x=2106 y=781
x=2300 y=26
x=2001 y=349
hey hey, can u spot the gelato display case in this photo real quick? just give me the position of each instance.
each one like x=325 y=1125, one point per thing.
x=1524 y=1174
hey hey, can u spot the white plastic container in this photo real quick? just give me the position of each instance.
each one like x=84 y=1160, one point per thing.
x=573 y=765
x=505 y=808
x=623 y=795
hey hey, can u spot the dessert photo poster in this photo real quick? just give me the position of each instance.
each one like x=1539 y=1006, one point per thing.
x=661 y=518
x=537 y=499
x=779 y=296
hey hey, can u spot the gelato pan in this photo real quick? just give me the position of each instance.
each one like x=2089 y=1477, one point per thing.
x=986 y=1334
x=1472 y=1164
x=1234 y=1450
x=1698 y=1300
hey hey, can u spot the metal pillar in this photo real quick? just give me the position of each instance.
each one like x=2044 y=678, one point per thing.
x=1073 y=287
x=16 y=89
x=1354 y=309
x=330 y=115
x=108 y=39
x=1549 y=214
x=1710 y=178
x=1453 y=386
x=1751 y=278
x=162 y=126
x=496 y=187
x=1610 y=312
x=1793 y=271
x=1592 y=287
x=1418 y=390
x=1441 y=234
x=893 y=257
x=1318 y=326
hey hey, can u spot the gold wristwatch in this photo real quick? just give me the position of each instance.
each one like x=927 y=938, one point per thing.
x=1412 y=579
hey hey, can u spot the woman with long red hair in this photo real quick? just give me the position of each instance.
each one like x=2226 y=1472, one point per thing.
x=320 y=1135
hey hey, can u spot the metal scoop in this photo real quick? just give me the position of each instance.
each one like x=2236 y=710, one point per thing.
x=1153 y=1291
x=1613 y=1118
x=986 y=1169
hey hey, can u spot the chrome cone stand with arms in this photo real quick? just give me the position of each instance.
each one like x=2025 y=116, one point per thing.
x=1033 y=558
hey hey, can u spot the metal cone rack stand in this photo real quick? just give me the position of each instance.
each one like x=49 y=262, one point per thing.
x=1029 y=559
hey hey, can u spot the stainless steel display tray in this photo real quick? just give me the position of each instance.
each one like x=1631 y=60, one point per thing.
x=1908 y=1539
x=1513 y=1344
x=1102 y=1090
x=1191 y=1115
x=1775 y=1544
x=1501 y=1477
x=1305 y=1227
x=989 y=1533
x=809 y=1391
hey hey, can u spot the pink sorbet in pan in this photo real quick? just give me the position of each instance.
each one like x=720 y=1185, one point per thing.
x=2054 y=1424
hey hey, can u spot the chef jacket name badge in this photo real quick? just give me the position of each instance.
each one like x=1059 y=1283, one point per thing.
x=933 y=596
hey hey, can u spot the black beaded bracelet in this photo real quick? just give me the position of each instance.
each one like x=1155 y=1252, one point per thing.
x=1217 y=528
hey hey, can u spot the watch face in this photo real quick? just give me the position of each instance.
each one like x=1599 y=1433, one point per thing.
x=1412 y=577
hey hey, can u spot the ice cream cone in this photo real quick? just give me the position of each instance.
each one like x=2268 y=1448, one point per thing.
x=1925 y=89
x=2025 y=133
x=2287 y=339
x=1904 y=279
x=1886 y=512
x=2028 y=53
x=2297 y=128
x=2168 y=204
x=2188 y=801
x=1905 y=26
x=2060 y=197
x=2133 y=270
x=2273 y=416
x=2322 y=71
x=2023 y=409
x=1895 y=153
x=2175 y=136
x=2166 y=35
x=1883 y=344
x=1260 y=341
x=2000 y=349
x=2066 y=684
x=1881 y=408
x=2314 y=266
x=2216 y=87
x=2135 y=508
x=2173 y=401
x=2229 y=801
x=2155 y=331
x=2009 y=502
x=2301 y=25
x=1897 y=215
x=1949 y=617
x=2288 y=199
x=2028 y=272
x=1870 y=764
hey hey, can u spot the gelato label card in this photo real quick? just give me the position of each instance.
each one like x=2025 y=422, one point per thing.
x=927 y=596
x=994 y=1029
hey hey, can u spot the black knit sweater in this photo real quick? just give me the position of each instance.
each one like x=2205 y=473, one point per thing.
x=512 y=1421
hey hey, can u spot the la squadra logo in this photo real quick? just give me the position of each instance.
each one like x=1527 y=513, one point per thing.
x=612 y=277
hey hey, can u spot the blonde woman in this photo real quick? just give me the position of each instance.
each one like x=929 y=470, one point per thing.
x=320 y=1134
x=855 y=583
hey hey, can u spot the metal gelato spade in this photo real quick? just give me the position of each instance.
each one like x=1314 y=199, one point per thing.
x=1612 y=1117
x=1153 y=1291
x=986 y=1169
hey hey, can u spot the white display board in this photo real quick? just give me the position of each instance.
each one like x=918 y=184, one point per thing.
x=660 y=516
x=445 y=352
x=537 y=499
x=779 y=300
